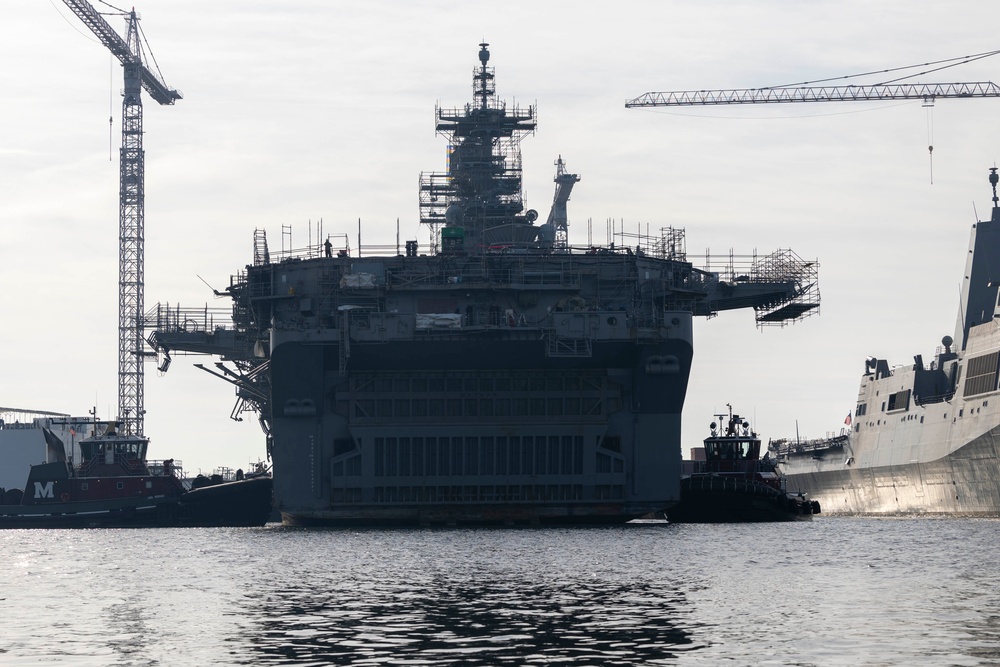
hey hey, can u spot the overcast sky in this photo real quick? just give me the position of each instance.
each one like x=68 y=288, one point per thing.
x=320 y=109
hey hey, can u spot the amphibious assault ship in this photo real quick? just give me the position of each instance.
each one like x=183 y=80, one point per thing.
x=923 y=438
x=500 y=375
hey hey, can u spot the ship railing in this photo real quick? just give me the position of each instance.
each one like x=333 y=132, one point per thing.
x=11 y=417
x=785 y=447
x=782 y=265
x=123 y=465
x=670 y=244
x=128 y=465
x=340 y=247
x=921 y=399
x=166 y=468
x=174 y=319
x=227 y=474
x=749 y=469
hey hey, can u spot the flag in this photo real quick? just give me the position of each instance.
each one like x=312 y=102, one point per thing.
x=848 y=420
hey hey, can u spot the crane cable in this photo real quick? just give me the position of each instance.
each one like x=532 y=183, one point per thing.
x=111 y=106
x=934 y=66
x=945 y=64
x=930 y=137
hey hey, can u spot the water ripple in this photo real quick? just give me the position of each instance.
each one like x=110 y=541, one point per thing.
x=460 y=620
x=834 y=592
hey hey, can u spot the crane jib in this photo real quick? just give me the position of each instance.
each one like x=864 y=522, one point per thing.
x=817 y=94
x=119 y=48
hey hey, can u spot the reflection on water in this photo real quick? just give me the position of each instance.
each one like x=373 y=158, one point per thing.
x=127 y=632
x=833 y=592
x=471 y=622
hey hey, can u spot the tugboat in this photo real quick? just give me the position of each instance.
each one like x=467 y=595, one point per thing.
x=114 y=486
x=734 y=485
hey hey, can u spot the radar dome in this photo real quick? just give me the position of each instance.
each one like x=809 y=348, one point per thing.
x=453 y=214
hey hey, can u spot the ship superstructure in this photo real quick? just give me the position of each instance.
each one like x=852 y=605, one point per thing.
x=502 y=376
x=923 y=437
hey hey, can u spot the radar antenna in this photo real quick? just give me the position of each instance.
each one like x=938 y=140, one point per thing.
x=994 y=178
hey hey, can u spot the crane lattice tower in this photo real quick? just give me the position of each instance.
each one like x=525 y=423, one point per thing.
x=131 y=232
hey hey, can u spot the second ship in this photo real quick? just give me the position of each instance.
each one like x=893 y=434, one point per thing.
x=500 y=376
x=924 y=438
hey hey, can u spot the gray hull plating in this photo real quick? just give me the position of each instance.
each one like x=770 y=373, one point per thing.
x=505 y=438
x=962 y=483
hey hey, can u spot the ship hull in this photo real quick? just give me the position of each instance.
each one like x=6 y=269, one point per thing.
x=717 y=499
x=233 y=504
x=965 y=482
x=480 y=514
x=463 y=433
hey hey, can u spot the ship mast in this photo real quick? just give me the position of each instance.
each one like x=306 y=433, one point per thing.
x=979 y=285
x=558 y=216
x=479 y=200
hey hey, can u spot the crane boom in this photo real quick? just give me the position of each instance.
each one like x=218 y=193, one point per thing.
x=911 y=91
x=153 y=84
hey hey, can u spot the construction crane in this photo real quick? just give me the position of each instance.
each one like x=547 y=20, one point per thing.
x=889 y=89
x=913 y=91
x=131 y=344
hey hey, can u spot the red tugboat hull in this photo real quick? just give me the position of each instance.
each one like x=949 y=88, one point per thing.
x=55 y=498
x=243 y=503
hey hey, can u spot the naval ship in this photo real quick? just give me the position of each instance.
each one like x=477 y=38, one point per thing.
x=499 y=375
x=923 y=438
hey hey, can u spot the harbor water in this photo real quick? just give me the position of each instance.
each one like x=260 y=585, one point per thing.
x=834 y=591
